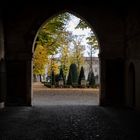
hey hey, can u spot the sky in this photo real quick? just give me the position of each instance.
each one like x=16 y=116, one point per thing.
x=71 y=27
x=85 y=32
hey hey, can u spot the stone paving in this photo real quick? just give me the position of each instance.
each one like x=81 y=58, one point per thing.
x=69 y=122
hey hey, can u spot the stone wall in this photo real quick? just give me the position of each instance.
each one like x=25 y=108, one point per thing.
x=132 y=22
x=2 y=67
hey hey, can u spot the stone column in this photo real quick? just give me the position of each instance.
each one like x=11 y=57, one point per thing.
x=19 y=80
x=111 y=81
x=102 y=97
x=29 y=82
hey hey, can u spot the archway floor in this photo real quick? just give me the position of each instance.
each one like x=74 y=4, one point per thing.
x=69 y=122
x=64 y=96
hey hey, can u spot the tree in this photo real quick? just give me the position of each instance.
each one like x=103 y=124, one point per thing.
x=65 y=60
x=92 y=42
x=54 y=37
x=82 y=24
x=78 y=52
x=61 y=75
x=51 y=37
x=52 y=78
x=81 y=75
x=73 y=75
x=91 y=78
x=57 y=78
x=93 y=46
x=40 y=60
x=69 y=80
x=53 y=34
x=91 y=39
x=53 y=66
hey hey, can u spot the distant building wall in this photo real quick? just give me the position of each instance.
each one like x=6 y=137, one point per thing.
x=95 y=67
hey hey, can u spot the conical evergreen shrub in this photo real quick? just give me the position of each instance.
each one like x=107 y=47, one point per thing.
x=81 y=75
x=61 y=75
x=52 y=78
x=73 y=75
x=91 y=78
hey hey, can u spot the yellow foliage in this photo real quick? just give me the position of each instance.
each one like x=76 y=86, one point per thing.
x=53 y=66
x=40 y=60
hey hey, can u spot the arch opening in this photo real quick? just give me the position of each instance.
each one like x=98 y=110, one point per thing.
x=69 y=48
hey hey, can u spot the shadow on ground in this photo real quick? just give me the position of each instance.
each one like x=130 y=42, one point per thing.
x=64 y=115
x=69 y=122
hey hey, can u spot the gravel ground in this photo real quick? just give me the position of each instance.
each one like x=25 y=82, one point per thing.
x=64 y=96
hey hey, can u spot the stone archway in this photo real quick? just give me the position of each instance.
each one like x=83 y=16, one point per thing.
x=96 y=70
x=20 y=34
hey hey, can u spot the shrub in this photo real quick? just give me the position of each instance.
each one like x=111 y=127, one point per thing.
x=53 y=78
x=91 y=79
x=73 y=75
x=69 y=80
x=61 y=75
x=81 y=75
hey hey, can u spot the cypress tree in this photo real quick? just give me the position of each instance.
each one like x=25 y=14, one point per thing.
x=69 y=80
x=52 y=78
x=73 y=75
x=61 y=75
x=91 y=78
x=81 y=75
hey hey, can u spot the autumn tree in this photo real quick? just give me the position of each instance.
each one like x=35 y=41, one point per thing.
x=82 y=25
x=53 y=34
x=91 y=38
x=40 y=60
x=92 y=42
x=53 y=66
x=78 y=52
x=55 y=38
x=93 y=46
x=65 y=59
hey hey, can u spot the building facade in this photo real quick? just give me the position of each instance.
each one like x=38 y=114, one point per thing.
x=94 y=61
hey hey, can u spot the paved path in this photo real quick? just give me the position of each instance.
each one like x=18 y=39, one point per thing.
x=59 y=115
x=69 y=123
x=64 y=96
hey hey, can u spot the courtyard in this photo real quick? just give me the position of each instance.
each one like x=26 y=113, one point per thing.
x=64 y=96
